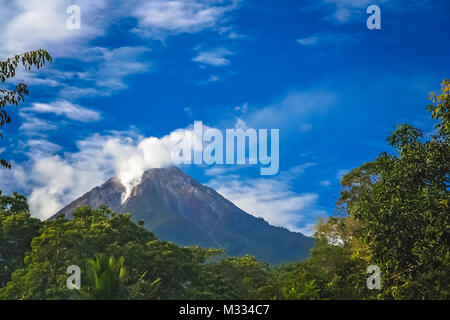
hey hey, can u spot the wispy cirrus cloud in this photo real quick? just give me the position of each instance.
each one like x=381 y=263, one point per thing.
x=103 y=71
x=216 y=57
x=160 y=18
x=346 y=11
x=353 y=11
x=325 y=183
x=40 y=146
x=273 y=199
x=327 y=39
x=112 y=66
x=33 y=24
x=293 y=110
x=64 y=108
x=32 y=126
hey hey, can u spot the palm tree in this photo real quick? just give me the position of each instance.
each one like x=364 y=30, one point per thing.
x=105 y=277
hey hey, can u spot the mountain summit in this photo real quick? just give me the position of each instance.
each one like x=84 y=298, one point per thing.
x=177 y=208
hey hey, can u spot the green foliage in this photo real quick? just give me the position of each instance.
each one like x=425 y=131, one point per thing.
x=147 y=268
x=331 y=272
x=17 y=229
x=105 y=278
x=178 y=269
x=62 y=243
x=440 y=108
x=238 y=278
x=13 y=204
x=394 y=213
x=308 y=291
x=403 y=215
x=16 y=96
x=144 y=289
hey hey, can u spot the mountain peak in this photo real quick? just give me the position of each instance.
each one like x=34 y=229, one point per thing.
x=167 y=174
x=171 y=179
x=113 y=183
x=172 y=170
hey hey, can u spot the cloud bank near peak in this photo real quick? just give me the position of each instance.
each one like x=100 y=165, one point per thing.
x=52 y=179
x=273 y=200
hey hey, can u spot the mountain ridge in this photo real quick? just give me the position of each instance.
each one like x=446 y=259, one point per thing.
x=178 y=208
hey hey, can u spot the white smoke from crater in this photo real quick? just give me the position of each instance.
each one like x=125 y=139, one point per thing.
x=51 y=179
x=149 y=153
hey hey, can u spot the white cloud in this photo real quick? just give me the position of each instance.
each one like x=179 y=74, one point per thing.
x=271 y=199
x=13 y=180
x=33 y=24
x=349 y=11
x=146 y=154
x=325 y=183
x=320 y=39
x=34 y=126
x=309 y=41
x=218 y=170
x=345 y=11
x=309 y=229
x=41 y=146
x=58 y=176
x=243 y=108
x=215 y=57
x=213 y=78
x=234 y=35
x=66 y=108
x=116 y=64
x=36 y=78
x=158 y=18
x=297 y=170
x=53 y=179
x=240 y=124
x=292 y=111
x=105 y=71
x=71 y=92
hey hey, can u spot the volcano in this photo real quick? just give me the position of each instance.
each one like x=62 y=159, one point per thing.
x=178 y=208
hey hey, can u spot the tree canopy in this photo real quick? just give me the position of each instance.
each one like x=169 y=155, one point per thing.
x=8 y=68
x=401 y=203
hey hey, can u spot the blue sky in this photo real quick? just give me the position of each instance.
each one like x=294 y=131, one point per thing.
x=138 y=73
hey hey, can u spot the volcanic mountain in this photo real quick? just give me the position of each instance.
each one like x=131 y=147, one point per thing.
x=177 y=208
